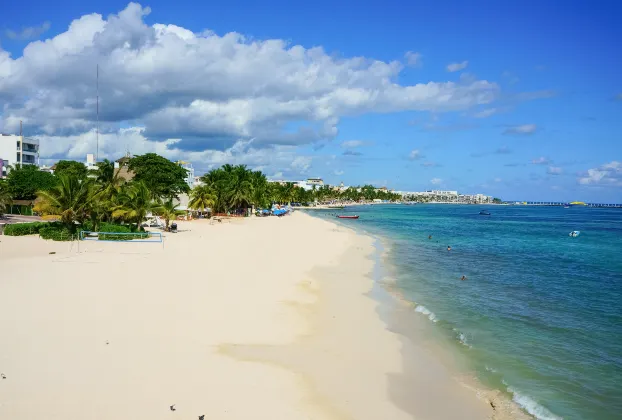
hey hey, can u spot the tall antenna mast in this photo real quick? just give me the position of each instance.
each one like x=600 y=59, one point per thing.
x=97 y=127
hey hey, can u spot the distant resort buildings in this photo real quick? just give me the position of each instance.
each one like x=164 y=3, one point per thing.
x=21 y=150
x=430 y=196
x=443 y=196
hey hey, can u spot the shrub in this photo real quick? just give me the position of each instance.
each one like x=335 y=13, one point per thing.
x=56 y=232
x=22 y=229
x=114 y=228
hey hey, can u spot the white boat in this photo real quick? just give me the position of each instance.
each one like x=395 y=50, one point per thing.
x=574 y=233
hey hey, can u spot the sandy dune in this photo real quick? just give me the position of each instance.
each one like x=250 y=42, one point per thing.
x=255 y=319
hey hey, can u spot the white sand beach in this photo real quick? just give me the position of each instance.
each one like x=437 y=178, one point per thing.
x=261 y=318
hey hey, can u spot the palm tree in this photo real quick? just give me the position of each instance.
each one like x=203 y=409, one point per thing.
x=167 y=210
x=201 y=198
x=134 y=202
x=107 y=177
x=239 y=188
x=98 y=209
x=70 y=200
x=260 y=189
x=5 y=197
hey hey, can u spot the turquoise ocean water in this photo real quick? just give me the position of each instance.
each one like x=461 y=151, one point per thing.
x=540 y=314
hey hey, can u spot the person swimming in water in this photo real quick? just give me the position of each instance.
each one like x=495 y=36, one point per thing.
x=463 y=277
x=429 y=236
x=448 y=248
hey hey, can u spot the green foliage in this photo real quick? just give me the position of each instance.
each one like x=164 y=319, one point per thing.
x=133 y=202
x=236 y=187
x=57 y=232
x=5 y=196
x=23 y=229
x=24 y=182
x=110 y=227
x=162 y=177
x=107 y=177
x=202 y=197
x=167 y=210
x=71 y=168
x=70 y=199
x=497 y=200
x=134 y=235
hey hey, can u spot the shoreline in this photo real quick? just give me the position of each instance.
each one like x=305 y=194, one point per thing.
x=403 y=316
x=294 y=332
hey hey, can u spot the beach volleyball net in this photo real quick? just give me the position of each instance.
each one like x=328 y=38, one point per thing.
x=127 y=237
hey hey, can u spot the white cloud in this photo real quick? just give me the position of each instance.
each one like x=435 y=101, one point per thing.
x=554 y=170
x=457 y=66
x=272 y=159
x=485 y=113
x=208 y=90
x=608 y=174
x=301 y=164
x=351 y=144
x=498 y=180
x=413 y=59
x=540 y=161
x=276 y=175
x=436 y=181
x=415 y=154
x=29 y=32
x=338 y=172
x=525 y=129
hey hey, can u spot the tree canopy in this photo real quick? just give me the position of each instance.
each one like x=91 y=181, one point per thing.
x=236 y=187
x=231 y=188
x=5 y=196
x=69 y=198
x=71 y=167
x=24 y=182
x=162 y=177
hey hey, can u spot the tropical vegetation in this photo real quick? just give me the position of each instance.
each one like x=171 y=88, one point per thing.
x=25 y=181
x=97 y=199
x=79 y=198
x=5 y=196
x=232 y=189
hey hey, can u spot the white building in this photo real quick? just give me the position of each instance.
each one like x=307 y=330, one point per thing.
x=300 y=184
x=190 y=172
x=315 y=181
x=17 y=150
x=90 y=164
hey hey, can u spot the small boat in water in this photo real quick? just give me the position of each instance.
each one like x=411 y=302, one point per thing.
x=574 y=233
x=347 y=217
x=484 y=213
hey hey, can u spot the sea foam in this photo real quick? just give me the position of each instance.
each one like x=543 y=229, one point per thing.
x=531 y=406
x=425 y=311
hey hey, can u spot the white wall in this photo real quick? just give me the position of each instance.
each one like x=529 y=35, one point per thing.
x=9 y=150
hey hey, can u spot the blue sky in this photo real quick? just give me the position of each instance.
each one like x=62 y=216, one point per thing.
x=532 y=110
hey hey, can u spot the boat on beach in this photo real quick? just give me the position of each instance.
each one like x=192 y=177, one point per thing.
x=347 y=217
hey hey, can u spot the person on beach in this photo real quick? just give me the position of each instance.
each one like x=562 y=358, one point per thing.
x=448 y=248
